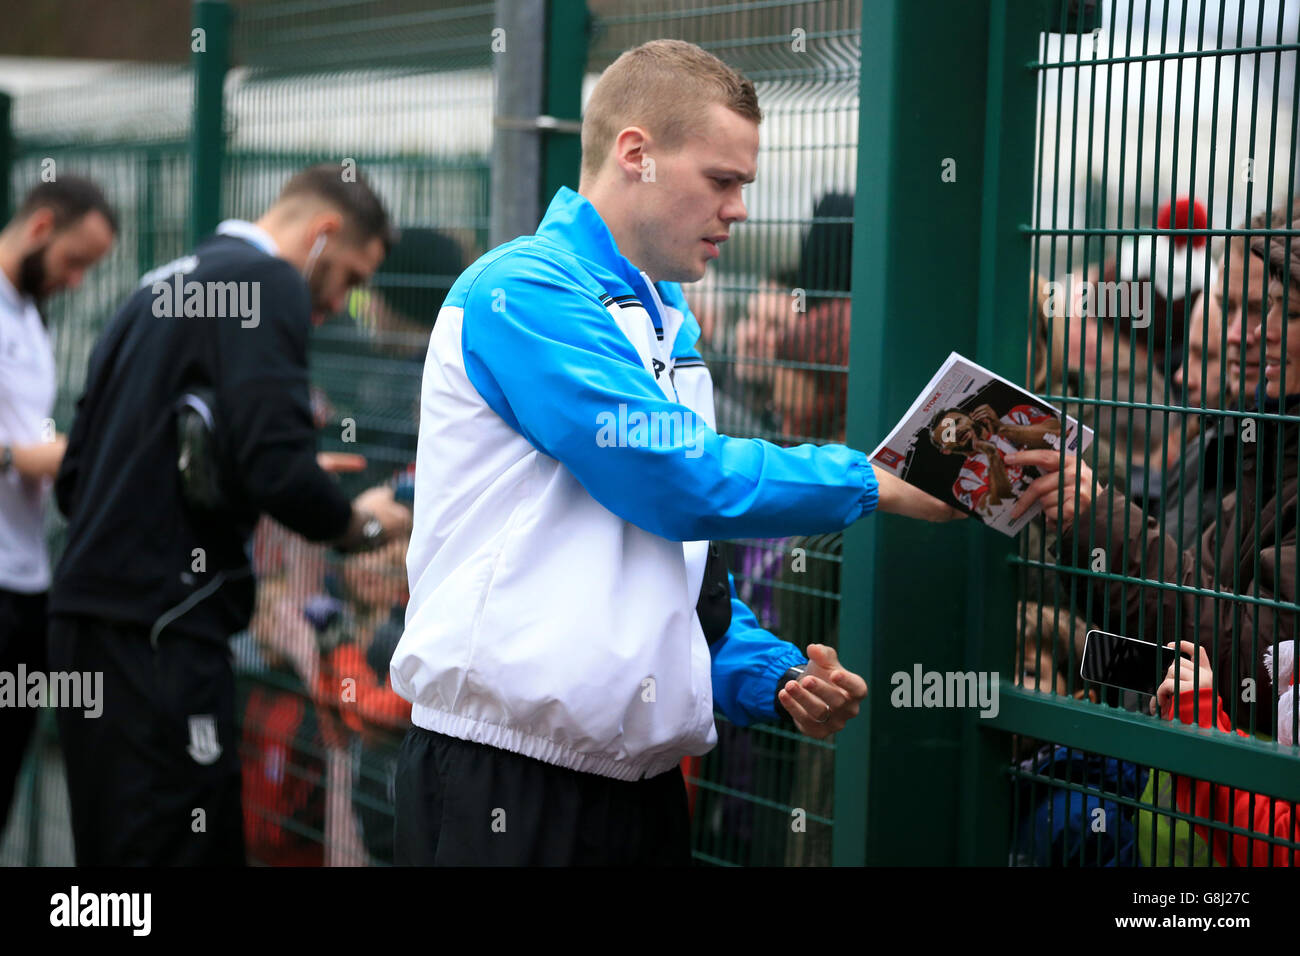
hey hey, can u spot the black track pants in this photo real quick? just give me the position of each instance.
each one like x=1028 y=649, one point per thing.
x=467 y=804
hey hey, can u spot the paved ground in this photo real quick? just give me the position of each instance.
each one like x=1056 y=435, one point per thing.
x=42 y=782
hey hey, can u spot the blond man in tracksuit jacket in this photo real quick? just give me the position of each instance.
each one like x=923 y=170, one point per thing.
x=568 y=482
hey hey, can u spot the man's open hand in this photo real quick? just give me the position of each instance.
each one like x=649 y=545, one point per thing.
x=1048 y=489
x=826 y=697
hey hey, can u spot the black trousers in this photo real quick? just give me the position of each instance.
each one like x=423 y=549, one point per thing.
x=154 y=780
x=22 y=642
x=466 y=804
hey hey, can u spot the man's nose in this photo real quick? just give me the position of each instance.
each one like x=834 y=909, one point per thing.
x=1254 y=332
x=1234 y=326
x=735 y=211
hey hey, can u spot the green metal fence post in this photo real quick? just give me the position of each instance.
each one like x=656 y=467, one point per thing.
x=567 y=25
x=7 y=155
x=519 y=79
x=210 y=46
x=899 y=779
x=1004 y=267
x=147 y=211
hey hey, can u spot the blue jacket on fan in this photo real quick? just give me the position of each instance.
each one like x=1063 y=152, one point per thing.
x=568 y=480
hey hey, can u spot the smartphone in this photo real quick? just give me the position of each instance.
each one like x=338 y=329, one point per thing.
x=1125 y=662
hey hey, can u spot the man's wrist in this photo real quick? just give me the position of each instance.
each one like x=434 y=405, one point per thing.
x=372 y=530
x=794 y=673
x=880 y=490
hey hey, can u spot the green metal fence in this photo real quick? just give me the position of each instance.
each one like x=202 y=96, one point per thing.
x=1094 y=117
x=925 y=167
x=1200 y=127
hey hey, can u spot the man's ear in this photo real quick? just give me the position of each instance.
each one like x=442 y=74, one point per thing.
x=632 y=149
x=327 y=222
x=40 y=226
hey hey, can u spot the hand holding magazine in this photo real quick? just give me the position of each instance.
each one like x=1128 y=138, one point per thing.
x=953 y=442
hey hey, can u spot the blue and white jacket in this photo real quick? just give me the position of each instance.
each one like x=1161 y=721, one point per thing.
x=567 y=482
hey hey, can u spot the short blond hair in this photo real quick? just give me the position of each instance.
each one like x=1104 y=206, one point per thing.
x=663 y=86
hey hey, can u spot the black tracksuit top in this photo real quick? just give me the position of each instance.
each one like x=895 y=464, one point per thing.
x=130 y=551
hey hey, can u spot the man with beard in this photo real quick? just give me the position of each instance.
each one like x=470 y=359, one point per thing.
x=157 y=571
x=985 y=481
x=62 y=229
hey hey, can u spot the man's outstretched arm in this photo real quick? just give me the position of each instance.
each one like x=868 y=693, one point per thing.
x=546 y=356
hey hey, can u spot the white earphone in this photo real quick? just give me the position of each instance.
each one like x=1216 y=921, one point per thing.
x=316 y=249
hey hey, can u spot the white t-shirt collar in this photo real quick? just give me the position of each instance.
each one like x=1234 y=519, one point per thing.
x=15 y=299
x=251 y=233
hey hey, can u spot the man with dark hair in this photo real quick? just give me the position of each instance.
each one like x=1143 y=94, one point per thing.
x=197 y=419
x=62 y=229
x=364 y=215
x=69 y=199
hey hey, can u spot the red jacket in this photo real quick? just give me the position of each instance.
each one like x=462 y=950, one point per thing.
x=373 y=705
x=1231 y=806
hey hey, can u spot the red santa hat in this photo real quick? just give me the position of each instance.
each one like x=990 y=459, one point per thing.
x=1187 y=254
x=1175 y=265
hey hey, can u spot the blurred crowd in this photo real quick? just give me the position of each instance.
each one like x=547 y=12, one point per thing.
x=1190 y=484
x=1170 y=389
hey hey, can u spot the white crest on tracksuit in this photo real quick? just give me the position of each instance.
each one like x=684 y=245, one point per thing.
x=204 y=746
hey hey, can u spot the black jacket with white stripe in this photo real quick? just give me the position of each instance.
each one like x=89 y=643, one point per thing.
x=135 y=552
